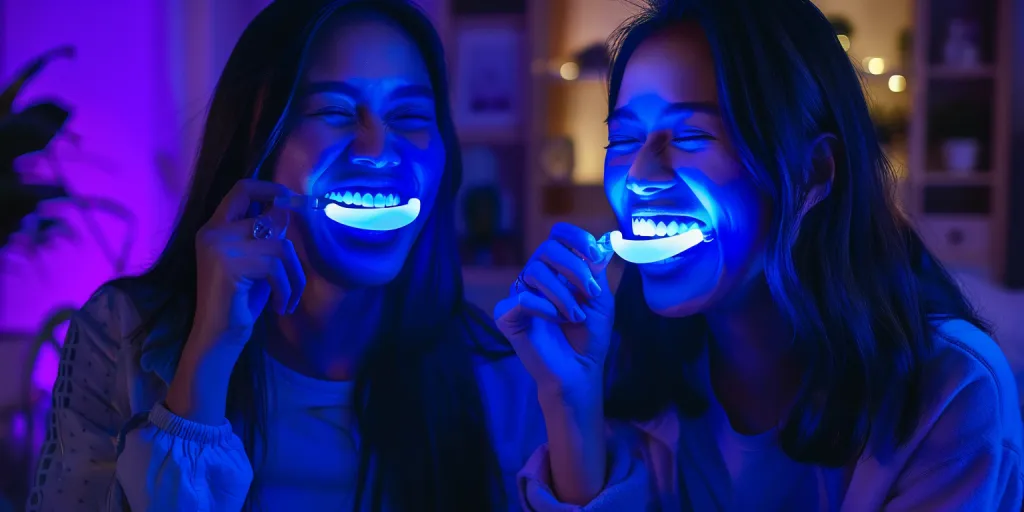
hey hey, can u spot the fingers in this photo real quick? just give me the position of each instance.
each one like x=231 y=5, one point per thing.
x=282 y=270
x=514 y=312
x=577 y=240
x=566 y=263
x=236 y=203
x=277 y=219
x=543 y=280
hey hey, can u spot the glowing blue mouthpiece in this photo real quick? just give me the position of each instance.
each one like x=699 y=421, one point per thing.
x=374 y=219
x=655 y=249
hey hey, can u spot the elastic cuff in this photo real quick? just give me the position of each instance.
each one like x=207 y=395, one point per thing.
x=177 y=426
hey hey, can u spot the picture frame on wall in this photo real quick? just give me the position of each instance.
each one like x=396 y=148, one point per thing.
x=488 y=74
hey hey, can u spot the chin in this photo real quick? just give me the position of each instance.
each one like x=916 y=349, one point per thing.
x=359 y=258
x=686 y=286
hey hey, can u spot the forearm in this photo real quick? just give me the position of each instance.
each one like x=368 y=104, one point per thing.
x=199 y=389
x=576 y=445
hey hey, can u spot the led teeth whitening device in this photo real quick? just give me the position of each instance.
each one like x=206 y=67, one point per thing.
x=655 y=249
x=379 y=218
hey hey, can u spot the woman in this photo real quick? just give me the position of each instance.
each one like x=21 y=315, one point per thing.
x=812 y=355
x=367 y=382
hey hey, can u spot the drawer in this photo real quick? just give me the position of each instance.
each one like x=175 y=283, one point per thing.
x=960 y=243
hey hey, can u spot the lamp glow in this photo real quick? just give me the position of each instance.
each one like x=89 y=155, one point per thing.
x=652 y=250
x=374 y=219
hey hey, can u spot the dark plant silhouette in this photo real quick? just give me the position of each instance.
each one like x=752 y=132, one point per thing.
x=26 y=131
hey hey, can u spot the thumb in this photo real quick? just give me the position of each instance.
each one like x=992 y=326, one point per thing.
x=280 y=219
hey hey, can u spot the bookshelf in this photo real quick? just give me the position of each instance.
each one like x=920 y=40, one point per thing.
x=959 y=140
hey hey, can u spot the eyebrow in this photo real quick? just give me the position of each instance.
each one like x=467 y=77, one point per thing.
x=347 y=89
x=682 y=107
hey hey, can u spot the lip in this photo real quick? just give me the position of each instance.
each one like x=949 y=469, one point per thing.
x=407 y=186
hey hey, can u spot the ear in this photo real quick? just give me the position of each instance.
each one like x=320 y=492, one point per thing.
x=820 y=170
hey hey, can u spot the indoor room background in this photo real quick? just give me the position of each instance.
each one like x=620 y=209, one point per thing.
x=121 y=88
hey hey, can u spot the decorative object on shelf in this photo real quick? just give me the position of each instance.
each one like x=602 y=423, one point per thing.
x=558 y=159
x=958 y=128
x=843 y=29
x=960 y=49
x=487 y=217
x=488 y=76
x=960 y=154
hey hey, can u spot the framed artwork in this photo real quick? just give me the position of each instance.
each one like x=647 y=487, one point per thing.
x=489 y=74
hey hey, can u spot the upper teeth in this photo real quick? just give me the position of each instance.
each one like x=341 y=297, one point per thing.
x=365 y=200
x=647 y=227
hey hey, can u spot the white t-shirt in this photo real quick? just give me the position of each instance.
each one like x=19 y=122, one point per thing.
x=307 y=416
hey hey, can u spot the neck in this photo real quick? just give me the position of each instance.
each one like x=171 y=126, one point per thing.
x=754 y=370
x=330 y=329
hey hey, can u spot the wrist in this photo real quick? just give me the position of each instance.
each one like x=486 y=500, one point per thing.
x=579 y=399
x=198 y=391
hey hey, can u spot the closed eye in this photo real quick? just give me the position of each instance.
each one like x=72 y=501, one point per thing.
x=334 y=115
x=692 y=142
x=621 y=143
x=410 y=118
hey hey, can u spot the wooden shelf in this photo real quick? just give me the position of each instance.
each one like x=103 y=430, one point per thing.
x=961 y=216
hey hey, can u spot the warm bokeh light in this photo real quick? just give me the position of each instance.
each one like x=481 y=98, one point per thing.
x=876 y=65
x=569 y=71
x=897 y=83
x=844 y=40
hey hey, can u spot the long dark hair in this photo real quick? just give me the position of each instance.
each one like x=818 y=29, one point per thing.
x=855 y=280
x=418 y=408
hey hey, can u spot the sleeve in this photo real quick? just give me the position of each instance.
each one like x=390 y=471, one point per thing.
x=627 y=487
x=171 y=464
x=970 y=458
x=163 y=462
x=76 y=465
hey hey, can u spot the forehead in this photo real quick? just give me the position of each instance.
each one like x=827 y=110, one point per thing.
x=672 y=65
x=366 y=48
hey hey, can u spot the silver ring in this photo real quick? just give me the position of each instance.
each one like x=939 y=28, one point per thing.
x=261 y=228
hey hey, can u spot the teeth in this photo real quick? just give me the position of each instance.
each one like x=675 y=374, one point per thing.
x=378 y=200
x=645 y=227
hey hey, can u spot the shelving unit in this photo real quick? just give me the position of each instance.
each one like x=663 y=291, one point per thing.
x=961 y=210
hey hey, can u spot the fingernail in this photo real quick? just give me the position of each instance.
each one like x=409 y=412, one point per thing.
x=578 y=315
x=593 y=253
x=593 y=288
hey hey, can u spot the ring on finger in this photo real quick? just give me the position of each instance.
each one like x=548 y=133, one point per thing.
x=262 y=228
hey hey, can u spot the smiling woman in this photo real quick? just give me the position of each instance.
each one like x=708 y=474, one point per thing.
x=287 y=357
x=813 y=354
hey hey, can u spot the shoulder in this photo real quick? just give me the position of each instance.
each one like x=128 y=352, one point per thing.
x=968 y=388
x=963 y=356
x=109 y=311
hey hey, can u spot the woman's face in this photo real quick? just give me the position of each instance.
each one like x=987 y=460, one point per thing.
x=364 y=132
x=670 y=160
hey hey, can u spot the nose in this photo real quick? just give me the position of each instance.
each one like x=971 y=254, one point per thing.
x=651 y=172
x=371 y=147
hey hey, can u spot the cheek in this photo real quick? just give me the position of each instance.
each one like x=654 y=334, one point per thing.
x=306 y=154
x=426 y=152
x=615 y=171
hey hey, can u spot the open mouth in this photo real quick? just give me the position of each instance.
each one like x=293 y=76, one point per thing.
x=371 y=209
x=659 y=237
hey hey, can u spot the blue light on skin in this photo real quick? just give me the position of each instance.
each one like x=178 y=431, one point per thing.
x=363 y=122
x=670 y=151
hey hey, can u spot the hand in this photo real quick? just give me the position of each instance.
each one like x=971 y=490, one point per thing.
x=237 y=273
x=559 y=314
